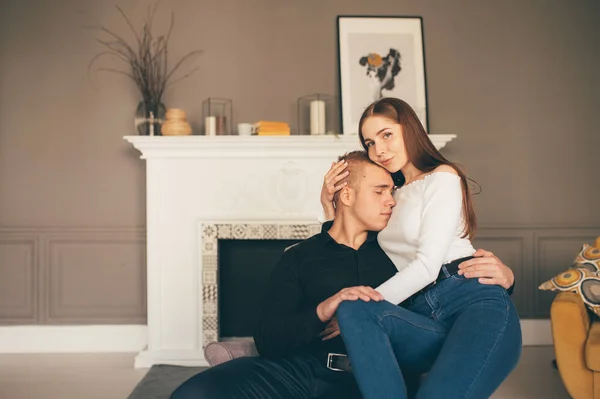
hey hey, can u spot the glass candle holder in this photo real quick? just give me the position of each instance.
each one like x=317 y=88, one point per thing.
x=217 y=116
x=315 y=114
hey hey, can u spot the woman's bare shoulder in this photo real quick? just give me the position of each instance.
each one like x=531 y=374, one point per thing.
x=446 y=168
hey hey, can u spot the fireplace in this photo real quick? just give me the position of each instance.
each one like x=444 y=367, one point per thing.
x=244 y=267
x=238 y=259
x=201 y=190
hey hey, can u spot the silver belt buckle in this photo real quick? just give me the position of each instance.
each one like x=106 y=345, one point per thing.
x=330 y=361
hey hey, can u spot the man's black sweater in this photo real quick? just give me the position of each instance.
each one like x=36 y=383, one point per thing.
x=306 y=275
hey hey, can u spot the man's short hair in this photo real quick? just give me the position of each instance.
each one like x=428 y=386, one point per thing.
x=356 y=164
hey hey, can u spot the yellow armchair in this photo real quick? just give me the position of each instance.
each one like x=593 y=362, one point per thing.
x=576 y=337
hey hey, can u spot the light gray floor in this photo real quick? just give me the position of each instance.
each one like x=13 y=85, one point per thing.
x=111 y=376
x=534 y=377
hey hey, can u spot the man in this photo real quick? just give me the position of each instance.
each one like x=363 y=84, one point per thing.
x=300 y=356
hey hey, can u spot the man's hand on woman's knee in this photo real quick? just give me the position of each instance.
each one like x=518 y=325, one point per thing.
x=326 y=309
x=488 y=268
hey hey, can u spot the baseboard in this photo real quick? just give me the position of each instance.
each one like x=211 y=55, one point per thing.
x=73 y=339
x=134 y=338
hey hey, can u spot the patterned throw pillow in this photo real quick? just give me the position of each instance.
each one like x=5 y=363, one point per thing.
x=583 y=278
x=588 y=258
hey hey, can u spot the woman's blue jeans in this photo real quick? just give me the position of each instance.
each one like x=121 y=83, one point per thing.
x=465 y=335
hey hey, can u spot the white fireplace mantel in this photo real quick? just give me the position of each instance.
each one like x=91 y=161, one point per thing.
x=253 y=146
x=193 y=180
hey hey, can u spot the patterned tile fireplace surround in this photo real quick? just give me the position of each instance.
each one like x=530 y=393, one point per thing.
x=211 y=234
x=202 y=189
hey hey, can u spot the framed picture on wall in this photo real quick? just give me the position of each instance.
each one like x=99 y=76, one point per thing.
x=380 y=57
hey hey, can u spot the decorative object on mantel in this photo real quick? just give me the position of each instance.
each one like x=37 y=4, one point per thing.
x=147 y=65
x=149 y=117
x=270 y=128
x=314 y=114
x=246 y=129
x=217 y=115
x=380 y=57
x=176 y=123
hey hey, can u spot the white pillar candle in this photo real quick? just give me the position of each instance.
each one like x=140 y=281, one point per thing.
x=210 y=126
x=317 y=117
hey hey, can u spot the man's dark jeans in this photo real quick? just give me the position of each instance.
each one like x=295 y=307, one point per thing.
x=294 y=377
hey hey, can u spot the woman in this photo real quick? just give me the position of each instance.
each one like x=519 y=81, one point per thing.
x=427 y=238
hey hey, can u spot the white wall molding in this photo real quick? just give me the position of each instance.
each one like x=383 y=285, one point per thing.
x=20 y=262
x=73 y=339
x=47 y=299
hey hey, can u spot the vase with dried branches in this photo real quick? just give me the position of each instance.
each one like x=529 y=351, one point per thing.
x=146 y=63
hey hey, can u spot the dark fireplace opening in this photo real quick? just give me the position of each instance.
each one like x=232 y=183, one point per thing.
x=244 y=270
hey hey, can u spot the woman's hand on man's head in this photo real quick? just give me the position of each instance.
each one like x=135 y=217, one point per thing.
x=336 y=173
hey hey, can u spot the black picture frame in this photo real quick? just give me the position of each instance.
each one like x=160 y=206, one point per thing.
x=380 y=56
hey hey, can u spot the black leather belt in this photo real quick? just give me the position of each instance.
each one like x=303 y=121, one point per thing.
x=447 y=270
x=338 y=362
x=451 y=268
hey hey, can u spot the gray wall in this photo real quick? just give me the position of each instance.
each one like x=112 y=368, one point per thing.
x=516 y=80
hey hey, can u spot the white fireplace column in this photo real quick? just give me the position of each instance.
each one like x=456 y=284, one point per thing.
x=196 y=179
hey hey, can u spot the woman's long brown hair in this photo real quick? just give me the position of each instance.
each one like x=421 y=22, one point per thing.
x=421 y=151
